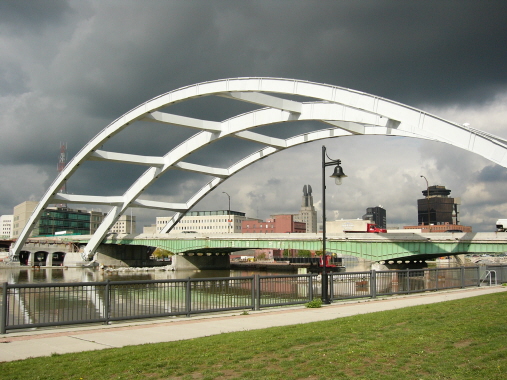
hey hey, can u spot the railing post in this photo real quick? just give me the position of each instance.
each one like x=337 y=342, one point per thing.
x=478 y=277
x=373 y=283
x=331 y=287
x=257 y=286
x=3 y=316
x=407 y=281
x=462 y=277
x=310 y=287
x=188 y=298
x=107 y=301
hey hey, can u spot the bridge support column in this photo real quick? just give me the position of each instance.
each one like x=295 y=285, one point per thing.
x=124 y=255
x=203 y=262
x=49 y=259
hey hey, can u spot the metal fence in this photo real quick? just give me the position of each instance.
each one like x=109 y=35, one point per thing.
x=39 y=305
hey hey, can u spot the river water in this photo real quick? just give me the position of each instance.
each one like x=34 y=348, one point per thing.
x=38 y=275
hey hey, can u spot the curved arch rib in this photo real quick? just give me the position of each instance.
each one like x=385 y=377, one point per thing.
x=347 y=112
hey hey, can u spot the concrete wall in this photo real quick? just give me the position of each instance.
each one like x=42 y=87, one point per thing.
x=201 y=262
x=339 y=226
x=123 y=255
x=138 y=256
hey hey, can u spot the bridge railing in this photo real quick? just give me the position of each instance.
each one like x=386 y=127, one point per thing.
x=382 y=283
x=40 y=305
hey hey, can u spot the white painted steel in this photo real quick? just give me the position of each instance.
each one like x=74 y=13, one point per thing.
x=345 y=112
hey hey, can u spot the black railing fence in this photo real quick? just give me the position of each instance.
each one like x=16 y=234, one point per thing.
x=40 y=305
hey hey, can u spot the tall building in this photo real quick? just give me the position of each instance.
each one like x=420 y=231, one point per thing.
x=307 y=213
x=376 y=215
x=21 y=214
x=221 y=221
x=438 y=207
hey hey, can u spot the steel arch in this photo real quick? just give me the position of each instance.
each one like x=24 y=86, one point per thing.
x=344 y=111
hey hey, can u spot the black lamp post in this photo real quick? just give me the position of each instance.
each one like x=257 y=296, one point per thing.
x=337 y=175
x=228 y=213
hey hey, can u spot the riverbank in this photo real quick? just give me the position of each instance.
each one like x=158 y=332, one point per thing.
x=281 y=267
x=397 y=341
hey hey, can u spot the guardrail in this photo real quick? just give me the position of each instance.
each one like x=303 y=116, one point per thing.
x=57 y=304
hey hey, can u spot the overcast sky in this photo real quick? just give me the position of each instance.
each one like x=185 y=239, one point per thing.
x=69 y=68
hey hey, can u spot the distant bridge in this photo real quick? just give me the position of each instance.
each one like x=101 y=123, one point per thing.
x=374 y=247
x=209 y=251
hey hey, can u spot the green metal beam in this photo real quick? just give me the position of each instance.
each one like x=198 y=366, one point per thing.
x=381 y=249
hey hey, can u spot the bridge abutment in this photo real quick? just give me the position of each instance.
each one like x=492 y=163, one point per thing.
x=124 y=255
x=203 y=262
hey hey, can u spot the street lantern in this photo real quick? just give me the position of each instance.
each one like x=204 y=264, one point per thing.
x=228 y=213
x=338 y=175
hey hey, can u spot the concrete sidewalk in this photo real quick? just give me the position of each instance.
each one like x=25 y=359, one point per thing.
x=44 y=342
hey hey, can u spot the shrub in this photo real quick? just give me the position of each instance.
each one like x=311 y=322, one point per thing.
x=315 y=303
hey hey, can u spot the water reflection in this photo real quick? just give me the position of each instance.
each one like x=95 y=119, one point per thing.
x=26 y=275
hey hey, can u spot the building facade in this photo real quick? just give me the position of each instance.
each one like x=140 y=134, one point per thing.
x=126 y=224
x=6 y=226
x=21 y=214
x=376 y=215
x=213 y=222
x=438 y=207
x=64 y=221
x=307 y=213
x=341 y=226
x=283 y=223
x=446 y=227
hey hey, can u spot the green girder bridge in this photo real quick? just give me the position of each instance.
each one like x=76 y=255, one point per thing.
x=374 y=247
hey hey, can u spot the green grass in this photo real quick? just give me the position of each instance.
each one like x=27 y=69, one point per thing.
x=463 y=339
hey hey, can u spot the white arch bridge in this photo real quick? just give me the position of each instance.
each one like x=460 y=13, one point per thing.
x=342 y=112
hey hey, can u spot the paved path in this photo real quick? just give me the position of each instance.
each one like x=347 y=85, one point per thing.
x=44 y=342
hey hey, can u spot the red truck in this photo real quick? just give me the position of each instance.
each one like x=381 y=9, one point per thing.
x=373 y=228
x=370 y=227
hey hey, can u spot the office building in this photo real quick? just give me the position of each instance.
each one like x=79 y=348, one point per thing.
x=6 y=226
x=438 y=207
x=376 y=215
x=438 y=212
x=126 y=224
x=55 y=220
x=21 y=214
x=283 y=223
x=213 y=222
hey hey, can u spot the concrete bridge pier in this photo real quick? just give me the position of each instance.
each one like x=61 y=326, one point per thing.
x=139 y=256
x=201 y=262
x=123 y=255
x=400 y=265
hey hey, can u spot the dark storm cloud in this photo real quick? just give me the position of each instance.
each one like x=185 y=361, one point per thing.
x=30 y=16
x=493 y=173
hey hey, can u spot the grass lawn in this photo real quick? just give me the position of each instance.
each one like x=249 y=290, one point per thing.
x=463 y=339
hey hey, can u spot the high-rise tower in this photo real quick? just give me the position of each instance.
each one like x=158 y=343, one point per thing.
x=438 y=207
x=307 y=213
x=377 y=215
